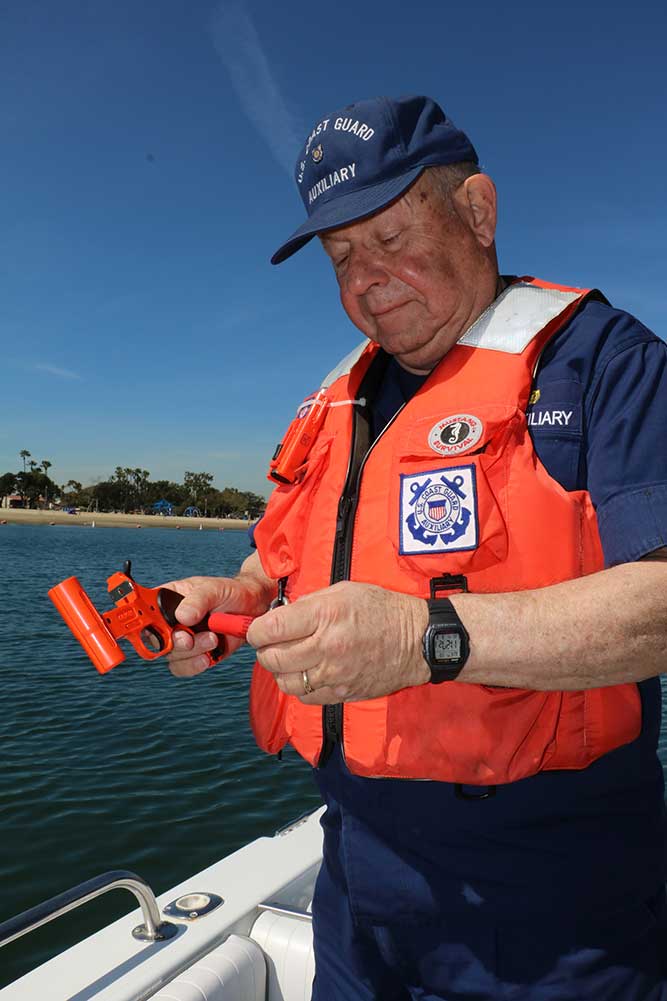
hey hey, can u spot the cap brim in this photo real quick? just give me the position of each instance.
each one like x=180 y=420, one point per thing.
x=344 y=209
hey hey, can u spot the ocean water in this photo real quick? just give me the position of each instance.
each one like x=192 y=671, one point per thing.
x=135 y=769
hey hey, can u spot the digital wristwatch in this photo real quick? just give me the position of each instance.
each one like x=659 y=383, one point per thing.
x=446 y=644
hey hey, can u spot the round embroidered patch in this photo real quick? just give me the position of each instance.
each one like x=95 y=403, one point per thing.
x=456 y=434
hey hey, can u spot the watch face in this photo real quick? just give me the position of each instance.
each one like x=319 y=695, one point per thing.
x=446 y=647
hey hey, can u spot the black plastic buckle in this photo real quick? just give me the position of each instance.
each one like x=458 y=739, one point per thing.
x=448 y=582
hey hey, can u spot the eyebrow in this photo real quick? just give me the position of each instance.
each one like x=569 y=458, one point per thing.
x=332 y=238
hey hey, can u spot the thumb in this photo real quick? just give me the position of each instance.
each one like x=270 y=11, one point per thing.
x=202 y=599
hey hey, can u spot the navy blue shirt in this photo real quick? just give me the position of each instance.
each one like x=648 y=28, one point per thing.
x=584 y=840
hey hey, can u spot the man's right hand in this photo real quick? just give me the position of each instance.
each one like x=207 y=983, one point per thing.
x=250 y=593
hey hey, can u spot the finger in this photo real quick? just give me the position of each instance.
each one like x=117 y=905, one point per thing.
x=285 y=623
x=293 y=684
x=196 y=605
x=183 y=642
x=207 y=595
x=291 y=657
x=325 y=696
x=188 y=667
x=186 y=646
x=191 y=654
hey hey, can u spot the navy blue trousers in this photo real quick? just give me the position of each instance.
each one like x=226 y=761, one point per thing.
x=621 y=956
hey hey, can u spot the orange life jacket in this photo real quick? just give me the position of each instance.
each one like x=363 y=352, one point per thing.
x=452 y=485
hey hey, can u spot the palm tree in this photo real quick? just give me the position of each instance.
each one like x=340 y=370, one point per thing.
x=25 y=454
x=72 y=490
x=46 y=465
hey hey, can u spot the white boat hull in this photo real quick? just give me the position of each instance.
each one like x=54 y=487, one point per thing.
x=256 y=946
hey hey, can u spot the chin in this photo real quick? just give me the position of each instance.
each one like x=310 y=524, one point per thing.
x=418 y=357
x=401 y=344
x=417 y=366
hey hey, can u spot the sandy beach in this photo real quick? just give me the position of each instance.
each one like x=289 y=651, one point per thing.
x=9 y=516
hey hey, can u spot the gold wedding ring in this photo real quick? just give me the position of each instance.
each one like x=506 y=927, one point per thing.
x=307 y=687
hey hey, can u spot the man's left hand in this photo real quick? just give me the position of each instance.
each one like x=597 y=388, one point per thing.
x=355 y=641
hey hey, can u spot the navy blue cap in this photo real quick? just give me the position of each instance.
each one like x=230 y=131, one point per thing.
x=358 y=160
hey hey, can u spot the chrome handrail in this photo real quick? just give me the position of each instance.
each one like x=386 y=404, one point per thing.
x=152 y=930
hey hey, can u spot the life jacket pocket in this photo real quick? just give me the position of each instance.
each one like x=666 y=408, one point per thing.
x=450 y=490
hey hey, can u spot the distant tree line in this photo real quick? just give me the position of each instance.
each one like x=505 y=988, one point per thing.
x=130 y=491
x=31 y=483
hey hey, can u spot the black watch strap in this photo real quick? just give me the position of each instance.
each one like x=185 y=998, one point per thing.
x=444 y=623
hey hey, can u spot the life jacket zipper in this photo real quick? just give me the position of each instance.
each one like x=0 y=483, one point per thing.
x=332 y=715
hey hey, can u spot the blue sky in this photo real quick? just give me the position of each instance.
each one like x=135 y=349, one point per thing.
x=146 y=180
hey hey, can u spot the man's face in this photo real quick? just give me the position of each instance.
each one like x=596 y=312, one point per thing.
x=414 y=276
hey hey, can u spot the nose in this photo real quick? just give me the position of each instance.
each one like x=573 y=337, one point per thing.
x=364 y=270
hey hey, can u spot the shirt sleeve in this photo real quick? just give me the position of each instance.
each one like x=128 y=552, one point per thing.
x=251 y=531
x=627 y=449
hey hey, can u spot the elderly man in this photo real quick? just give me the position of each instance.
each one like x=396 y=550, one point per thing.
x=469 y=526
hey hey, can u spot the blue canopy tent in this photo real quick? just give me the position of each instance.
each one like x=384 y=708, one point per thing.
x=163 y=507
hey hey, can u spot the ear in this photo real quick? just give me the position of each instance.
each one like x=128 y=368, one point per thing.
x=477 y=203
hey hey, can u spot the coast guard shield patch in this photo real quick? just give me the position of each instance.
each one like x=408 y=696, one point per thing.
x=438 y=511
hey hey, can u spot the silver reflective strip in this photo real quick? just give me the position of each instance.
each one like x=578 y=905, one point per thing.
x=345 y=366
x=515 y=317
x=361 y=402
